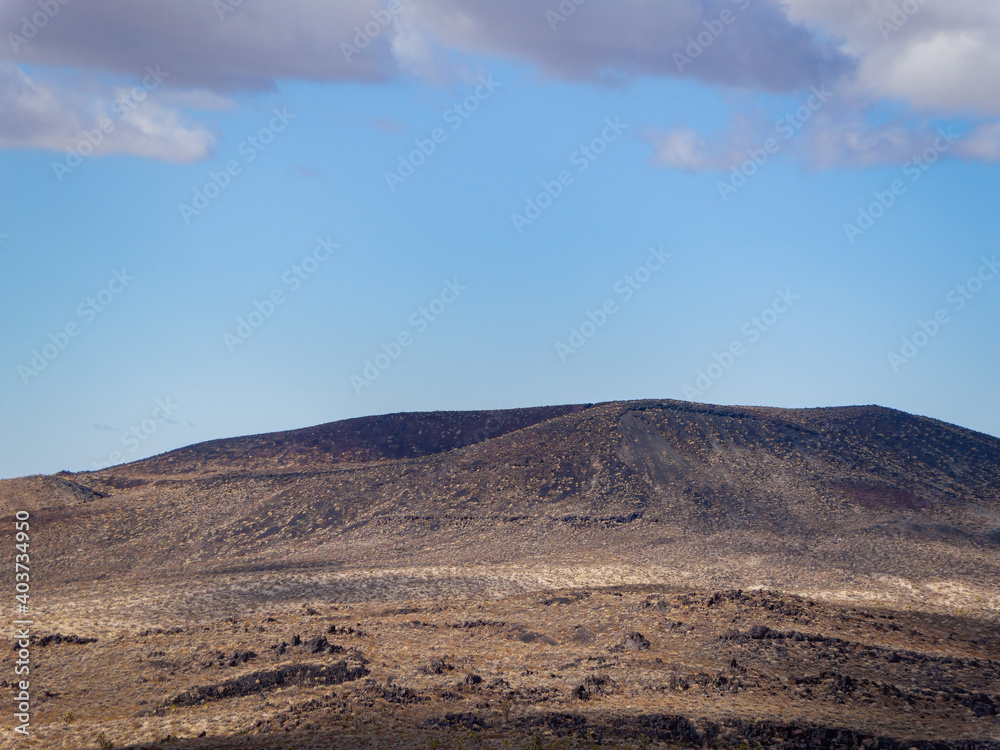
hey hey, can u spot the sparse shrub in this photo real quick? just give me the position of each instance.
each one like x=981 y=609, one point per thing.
x=67 y=718
x=505 y=706
x=104 y=743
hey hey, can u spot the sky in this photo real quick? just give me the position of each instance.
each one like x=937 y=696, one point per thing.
x=227 y=218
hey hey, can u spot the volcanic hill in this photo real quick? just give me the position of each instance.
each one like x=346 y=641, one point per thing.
x=573 y=528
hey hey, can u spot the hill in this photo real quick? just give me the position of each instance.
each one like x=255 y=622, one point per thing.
x=840 y=507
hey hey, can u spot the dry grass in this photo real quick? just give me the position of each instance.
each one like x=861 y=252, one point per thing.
x=532 y=649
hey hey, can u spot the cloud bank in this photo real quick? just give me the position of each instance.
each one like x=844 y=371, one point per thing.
x=927 y=59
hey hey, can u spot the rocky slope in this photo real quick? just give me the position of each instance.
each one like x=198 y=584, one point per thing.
x=853 y=492
x=474 y=514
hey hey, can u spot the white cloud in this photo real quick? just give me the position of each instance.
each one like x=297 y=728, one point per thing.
x=944 y=72
x=681 y=148
x=982 y=143
x=935 y=56
x=207 y=59
x=929 y=58
x=34 y=115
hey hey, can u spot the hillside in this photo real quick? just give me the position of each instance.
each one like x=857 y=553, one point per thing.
x=848 y=507
x=859 y=491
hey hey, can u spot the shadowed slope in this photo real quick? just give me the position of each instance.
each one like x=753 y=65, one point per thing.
x=756 y=493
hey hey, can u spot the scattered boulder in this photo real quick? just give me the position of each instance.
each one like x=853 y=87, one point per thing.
x=678 y=682
x=438 y=666
x=981 y=705
x=316 y=645
x=460 y=721
x=333 y=629
x=241 y=657
x=634 y=641
x=389 y=692
x=598 y=684
x=759 y=632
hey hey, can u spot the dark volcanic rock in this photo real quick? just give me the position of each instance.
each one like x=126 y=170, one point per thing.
x=391 y=693
x=316 y=645
x=438 y=666
x=758 y=632
x=632 y=642
x=259 y=682
x=57 y=638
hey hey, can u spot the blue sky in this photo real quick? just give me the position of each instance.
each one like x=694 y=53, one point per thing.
x=694 y=247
